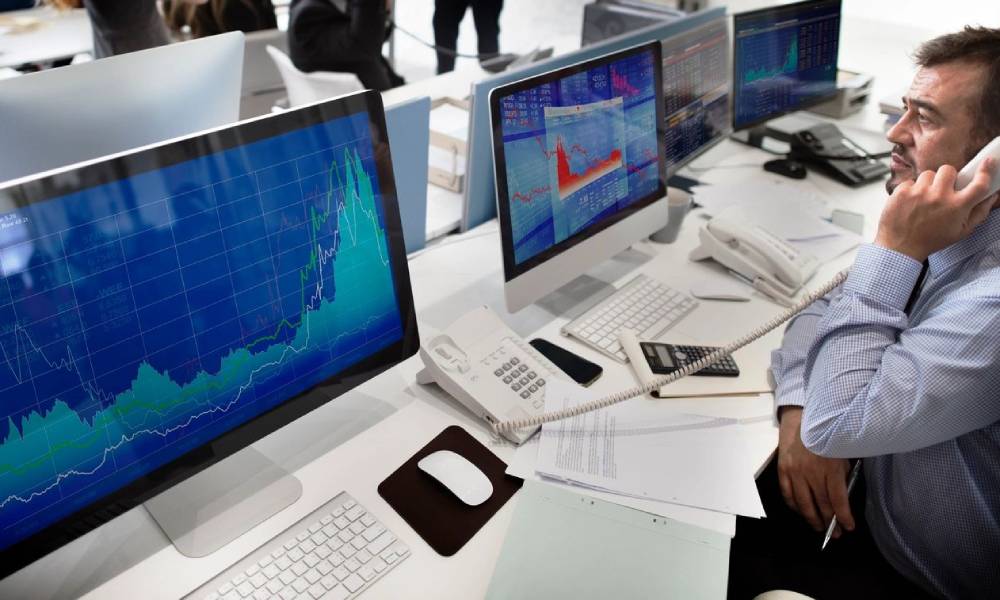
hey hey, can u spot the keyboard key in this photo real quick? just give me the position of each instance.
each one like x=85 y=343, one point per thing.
x=315 y=527
x=368 y=520
x=239 y=579
x=307 y=546
x=245 y=589
x=311 y=560
x=379 y=565
x=295 y=555
x=283 y=563
x=312 y=576
x=355 y=513
x=363 y=556
x=324 y=567
x=329 y=582
x=288 y=593
x=353 y=583
x=341 y=573
x=367 y=573
x=298 y=569
x=381 y=543
x=262 y=594
x=326 y=520
x=350 y=504
x=271 y=571
x=317 y=591
x=341 y=523
x=258 y=580
x=286 y=577
x=300 y=585
x=274 y=586
x=302 y=537
x=323 y=551
x=352 y=564
x=357 y=527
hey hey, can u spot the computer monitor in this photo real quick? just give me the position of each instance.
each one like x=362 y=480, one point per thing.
x=164 y=308
x=580 y=169
x=784 y=60
x=696 y=91
x=70 y=114
x=480 y=193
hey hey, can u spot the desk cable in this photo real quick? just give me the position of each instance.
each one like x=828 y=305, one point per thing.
x=655 y=384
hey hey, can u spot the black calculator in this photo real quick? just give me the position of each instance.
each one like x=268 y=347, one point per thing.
x=664 y=359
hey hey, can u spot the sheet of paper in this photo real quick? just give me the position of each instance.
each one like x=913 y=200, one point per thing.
x=646 y=451
x=526 y=458
x=718 y=197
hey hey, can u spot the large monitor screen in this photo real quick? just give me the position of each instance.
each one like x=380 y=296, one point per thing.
x=695 y=91
x=784 y=59
x=577 y=150
x=179 y=303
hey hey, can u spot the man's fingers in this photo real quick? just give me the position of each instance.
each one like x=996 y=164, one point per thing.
x=944 y=179
x=837 y=489
x=807 y=508
x=786 y=491
x=925 y=179
x=822 y=501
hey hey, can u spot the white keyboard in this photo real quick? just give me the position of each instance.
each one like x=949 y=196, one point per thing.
x=337 y=551
x=643 y=305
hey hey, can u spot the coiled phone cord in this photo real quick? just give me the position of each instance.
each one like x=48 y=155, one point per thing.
x=655 y=384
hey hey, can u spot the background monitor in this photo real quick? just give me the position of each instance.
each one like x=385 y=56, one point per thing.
x=480 y=191
x=784 y=59
x=696 y=91
x=162 y=309
x=580 y=170
x=66 y=115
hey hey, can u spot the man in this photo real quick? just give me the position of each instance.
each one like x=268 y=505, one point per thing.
x=448 y=14
x=901 y=372
x=344 y=36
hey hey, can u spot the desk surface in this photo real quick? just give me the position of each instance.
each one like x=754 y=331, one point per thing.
x=353 y=443
x=57 y=35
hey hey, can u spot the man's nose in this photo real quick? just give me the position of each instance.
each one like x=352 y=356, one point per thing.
x=900 y=132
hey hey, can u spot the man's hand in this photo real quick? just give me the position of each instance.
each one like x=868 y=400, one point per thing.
x=813 y=486
x=926 y=215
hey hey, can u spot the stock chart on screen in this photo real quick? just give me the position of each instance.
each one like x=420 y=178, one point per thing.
x=144 y=317
x=785 y=58
x=695 y=91
x=579 y=149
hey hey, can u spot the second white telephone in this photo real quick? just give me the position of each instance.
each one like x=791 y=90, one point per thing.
x=761 y=257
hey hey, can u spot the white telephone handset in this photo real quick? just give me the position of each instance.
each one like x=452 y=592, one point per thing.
x=969 y=171
x=490 y=369
x=756 y=254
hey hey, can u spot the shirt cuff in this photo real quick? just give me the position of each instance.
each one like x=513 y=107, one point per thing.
x=883 y=274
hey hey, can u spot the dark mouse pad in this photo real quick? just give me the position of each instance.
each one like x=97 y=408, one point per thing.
x=445 y=522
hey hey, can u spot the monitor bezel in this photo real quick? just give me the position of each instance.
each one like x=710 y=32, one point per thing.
x=804 y=106
x=513 y=270
x=58 y=183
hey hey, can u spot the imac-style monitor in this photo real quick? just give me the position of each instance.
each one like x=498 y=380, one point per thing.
x=580 y=173
x=63 y=116
x=162 y=309
x=480 y=192
x=696 y=91
x=784 y=59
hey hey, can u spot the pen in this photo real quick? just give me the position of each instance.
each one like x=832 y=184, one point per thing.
x=850 y=484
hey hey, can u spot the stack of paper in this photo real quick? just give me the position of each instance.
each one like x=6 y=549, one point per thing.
x=645 y=456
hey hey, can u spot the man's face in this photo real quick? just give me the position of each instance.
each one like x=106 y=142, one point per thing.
x=937 y=127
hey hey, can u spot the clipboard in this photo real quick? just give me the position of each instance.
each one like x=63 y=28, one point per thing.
x=442 y=520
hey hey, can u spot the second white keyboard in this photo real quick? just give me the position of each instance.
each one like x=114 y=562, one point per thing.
x=643 y=305
x=336 y=552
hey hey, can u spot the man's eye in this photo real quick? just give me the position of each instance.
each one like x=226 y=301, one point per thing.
x=923 y=118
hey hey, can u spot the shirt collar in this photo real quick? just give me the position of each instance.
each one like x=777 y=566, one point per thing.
x=982 y=237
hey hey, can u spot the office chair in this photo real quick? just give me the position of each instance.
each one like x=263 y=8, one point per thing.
x=304 y=88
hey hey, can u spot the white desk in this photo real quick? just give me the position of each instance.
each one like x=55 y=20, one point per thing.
x=58 y=35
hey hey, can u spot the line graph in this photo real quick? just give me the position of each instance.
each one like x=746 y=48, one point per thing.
x=336 y=304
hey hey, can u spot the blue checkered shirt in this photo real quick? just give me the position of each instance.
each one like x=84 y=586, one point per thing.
x=918 y=396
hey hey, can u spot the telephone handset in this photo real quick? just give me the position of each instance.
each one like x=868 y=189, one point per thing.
x=991 y=150
x=490 y=369
x=754 y=253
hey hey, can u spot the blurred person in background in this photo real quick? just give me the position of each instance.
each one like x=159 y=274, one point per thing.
x=209 y=17
x=343 y=36
x=121 y=26
x=448 y=15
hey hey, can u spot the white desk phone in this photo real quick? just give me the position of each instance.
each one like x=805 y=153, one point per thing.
x=501 y=378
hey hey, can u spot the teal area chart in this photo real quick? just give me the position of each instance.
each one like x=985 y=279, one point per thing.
x=145 y=317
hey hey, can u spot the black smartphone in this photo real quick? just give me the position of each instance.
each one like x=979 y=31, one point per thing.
x=664 y=359
x=578 y=368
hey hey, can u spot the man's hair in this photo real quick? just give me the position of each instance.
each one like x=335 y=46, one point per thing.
x=976 y=45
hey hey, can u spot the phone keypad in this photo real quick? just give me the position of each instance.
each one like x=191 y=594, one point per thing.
x=515 y=373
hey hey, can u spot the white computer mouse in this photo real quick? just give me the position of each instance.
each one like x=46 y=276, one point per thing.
x=456 y=473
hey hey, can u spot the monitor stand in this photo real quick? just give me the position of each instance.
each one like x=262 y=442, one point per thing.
x=218 y=505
